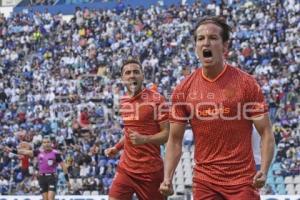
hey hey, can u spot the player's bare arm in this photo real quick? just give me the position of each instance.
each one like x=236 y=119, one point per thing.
x=19 y=151
x=264 y=128
x=112 y=151
x=158 y=139
x=173 y=154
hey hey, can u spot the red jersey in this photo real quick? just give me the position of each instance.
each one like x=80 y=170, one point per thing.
x=142 y=113
x=84 y=118
x=220 y=112
x=24 y=162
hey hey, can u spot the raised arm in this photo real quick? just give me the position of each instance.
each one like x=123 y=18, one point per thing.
x=20 y=151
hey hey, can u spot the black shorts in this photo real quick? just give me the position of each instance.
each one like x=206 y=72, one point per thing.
x=47 y=182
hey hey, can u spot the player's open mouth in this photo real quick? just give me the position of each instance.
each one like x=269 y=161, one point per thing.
x=207 y=53
x=133 y=83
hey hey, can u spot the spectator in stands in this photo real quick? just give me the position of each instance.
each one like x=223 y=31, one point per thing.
x=84 y=118
x=256 y=148
x=188 y=139
x=34 y=184
x=3 y=186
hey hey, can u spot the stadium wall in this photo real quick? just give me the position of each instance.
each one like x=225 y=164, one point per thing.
x=104 y=197
x=68 y=9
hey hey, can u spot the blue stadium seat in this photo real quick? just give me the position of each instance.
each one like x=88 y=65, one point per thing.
x=276 y=166
x=271 y=180
x=281 y=189
x=279 y=180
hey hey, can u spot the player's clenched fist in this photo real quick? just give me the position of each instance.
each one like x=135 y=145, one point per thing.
x=111 y=152
x=136 y=138
x=166 y=188
x=259 y=179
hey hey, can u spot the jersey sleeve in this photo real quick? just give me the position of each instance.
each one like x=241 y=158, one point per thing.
x=178 y=112
x=255 y=104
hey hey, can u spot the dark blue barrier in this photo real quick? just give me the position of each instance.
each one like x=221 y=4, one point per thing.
x=68 y=9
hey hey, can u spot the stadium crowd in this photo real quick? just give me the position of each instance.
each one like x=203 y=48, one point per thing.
x=61 y=79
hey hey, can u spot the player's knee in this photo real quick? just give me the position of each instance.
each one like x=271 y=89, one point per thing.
x=112 y=198
x=45 y=195
x=51 y=195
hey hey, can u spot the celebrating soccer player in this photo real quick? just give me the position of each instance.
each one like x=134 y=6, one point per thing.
x=146 y=127
x=221 y=103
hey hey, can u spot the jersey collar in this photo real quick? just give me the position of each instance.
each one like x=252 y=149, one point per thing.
x=215 y=79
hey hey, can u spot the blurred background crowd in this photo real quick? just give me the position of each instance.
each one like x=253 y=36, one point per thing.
x=61 y=78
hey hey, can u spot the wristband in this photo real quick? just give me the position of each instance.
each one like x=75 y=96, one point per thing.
x=67 y=177
x=119 y=146
x=14 y=151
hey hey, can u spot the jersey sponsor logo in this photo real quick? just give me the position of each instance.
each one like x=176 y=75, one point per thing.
x=213 y=111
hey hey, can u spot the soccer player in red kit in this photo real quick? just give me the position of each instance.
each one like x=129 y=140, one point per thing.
x=146 y=127
x=221 y=103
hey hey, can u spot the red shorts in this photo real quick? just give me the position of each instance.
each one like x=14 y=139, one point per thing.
x=203 y=190
x=125 y=184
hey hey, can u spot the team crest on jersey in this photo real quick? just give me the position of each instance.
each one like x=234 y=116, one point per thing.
x=229 y=92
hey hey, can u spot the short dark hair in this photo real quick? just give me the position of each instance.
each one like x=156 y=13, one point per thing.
x=219 y=21
x=131 y=61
